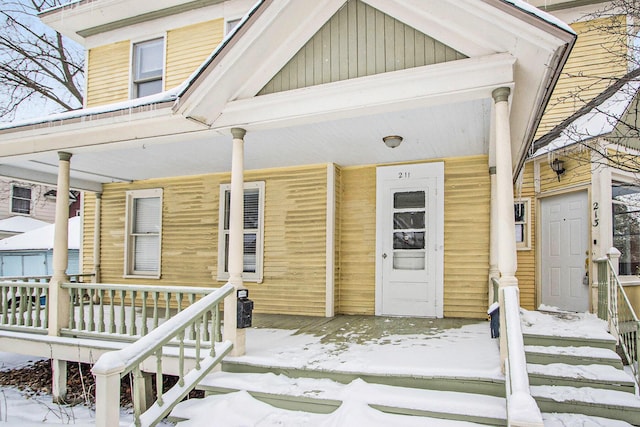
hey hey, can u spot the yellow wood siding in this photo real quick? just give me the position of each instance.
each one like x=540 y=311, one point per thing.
x=108 y=74
x=467 y=194
x=356 y=287
x=577 y=172
x=88 y=223
x=597 y=55
x=358 y=41
x=294 y=238
x=526 y=273
x=188 y=47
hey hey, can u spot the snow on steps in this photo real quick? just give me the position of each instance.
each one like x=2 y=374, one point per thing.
x=588 y=401
x=326 y=396
x=564 y=420
x=596 y=376
x=581 y=355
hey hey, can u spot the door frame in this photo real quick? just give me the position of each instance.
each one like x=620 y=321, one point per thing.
x=435 y=170
x=538 y=238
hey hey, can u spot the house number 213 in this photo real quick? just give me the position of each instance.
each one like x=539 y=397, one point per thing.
x=404 y=175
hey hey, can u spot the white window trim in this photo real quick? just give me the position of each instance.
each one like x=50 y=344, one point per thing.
x=132 y=83
x=526 y=245
x=128 y=257
x=259 y=274
x=13 y=186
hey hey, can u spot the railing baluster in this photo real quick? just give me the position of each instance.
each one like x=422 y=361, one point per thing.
x=45 y=321
x=92 y=323
x=14 y=293
x=179 y=299
x=4 y=302
x=143 y=315
x=23 y=302
x=181 y=359
x=100 y=294
x=137 y=394
x=167 y=307
x=156 y=297
x=192 y=299
x=132 y=327
x=112 y=312
x=30 y=300
x=122 y=309
x=159 y=380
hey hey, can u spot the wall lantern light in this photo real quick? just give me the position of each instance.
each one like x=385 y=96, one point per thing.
x=392 y=141
x=558 y=167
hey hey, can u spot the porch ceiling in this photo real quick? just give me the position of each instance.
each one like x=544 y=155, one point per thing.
x=436 y=131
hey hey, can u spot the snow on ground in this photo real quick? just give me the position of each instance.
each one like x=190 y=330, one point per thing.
x=551 y=321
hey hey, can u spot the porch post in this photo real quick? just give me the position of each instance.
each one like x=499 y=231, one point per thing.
x=494 y=272
x=96 y=239
x=236 y=243
x=58 y=297
x=506 y=238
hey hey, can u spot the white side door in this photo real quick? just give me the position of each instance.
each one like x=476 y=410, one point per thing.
x=410 y=240
x=564 y=249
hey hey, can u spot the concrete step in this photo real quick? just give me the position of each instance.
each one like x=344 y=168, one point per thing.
x=596 y=376
x=615 y=405
x=487 y=386
x=325 y=396
x=607 y=342
x=544 y=355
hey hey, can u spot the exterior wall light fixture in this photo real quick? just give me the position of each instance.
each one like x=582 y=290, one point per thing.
x=558 y=167
x=392 y=141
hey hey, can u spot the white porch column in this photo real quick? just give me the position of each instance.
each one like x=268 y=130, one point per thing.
x=236 y=243
x=96 y=239
x=494 y=272
x=58 y=297
x=506 y=238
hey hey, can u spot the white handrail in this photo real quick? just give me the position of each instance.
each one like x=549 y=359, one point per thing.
x=522 y=409
x=111 y=366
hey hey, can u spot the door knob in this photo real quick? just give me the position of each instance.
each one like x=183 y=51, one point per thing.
x=384 y=256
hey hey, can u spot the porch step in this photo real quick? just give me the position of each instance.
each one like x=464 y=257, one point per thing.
x=324 y=396
x=486 y=386
x=616 y=405
x=569 y=341
x=596 y=376
x=581 y=355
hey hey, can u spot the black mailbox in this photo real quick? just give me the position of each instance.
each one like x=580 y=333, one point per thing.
x=245 y=309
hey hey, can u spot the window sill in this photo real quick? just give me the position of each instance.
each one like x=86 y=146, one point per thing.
x=140 y=276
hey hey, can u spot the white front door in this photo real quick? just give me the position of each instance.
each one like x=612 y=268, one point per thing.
x=564 y=250
x=410 y=240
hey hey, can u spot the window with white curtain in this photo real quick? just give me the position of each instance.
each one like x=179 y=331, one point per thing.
x=253 y=231
x=20 y=200
x=522 y=223
x=144 y=225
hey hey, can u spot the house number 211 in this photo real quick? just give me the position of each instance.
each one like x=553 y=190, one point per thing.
x=404 y=175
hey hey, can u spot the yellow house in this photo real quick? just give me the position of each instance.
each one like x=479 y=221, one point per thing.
x=565 y=218
x=377 y=143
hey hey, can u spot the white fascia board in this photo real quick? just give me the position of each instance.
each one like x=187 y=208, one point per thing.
x=93 y=131
x=277 y=33
x=461 y=80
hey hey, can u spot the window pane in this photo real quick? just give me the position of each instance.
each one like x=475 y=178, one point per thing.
x=519 y=212
x=411 y=199
x=21 y=206
x=22 y=192
x=626 y=226
x=414 y=260
x=407 y=220
x=148 y=60
x=519 y=233
x=149 y=88
x=251 y=214
x=146 y=212
x=408 y=240
x=249 y=263
x=146 y=253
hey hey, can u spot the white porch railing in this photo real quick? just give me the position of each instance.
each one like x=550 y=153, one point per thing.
x=614 y=307
x=23 y=302
x=522 y=409
x=112 y=366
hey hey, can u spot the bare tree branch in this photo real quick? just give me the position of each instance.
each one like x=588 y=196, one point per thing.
x=39 y=68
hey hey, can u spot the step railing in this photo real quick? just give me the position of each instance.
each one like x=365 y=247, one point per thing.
x=125 y=312
x=112 y=366
x=522 y=409
x=23 y=302
x=615 y=308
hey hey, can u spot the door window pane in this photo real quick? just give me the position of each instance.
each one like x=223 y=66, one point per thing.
x=410 y=199
x=409 y=230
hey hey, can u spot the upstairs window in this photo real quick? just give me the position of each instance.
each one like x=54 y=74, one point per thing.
x=148 y=67
x=253 y=231
x=21 y=200
x=144 y=224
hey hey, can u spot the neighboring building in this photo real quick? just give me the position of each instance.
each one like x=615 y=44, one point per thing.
x=31 y=253
x=576 y=214
x=19 y=198
x=18 y=225
x=335 y=220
